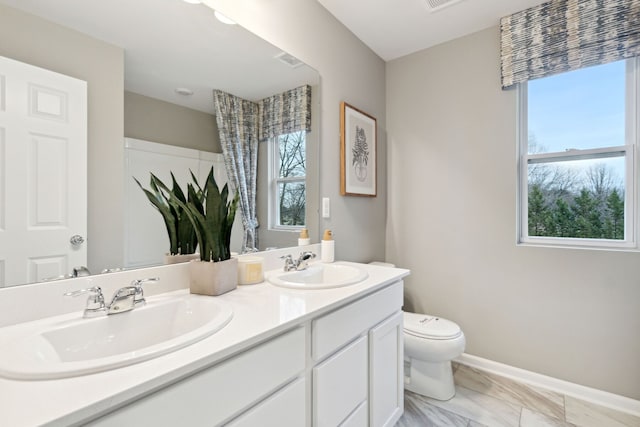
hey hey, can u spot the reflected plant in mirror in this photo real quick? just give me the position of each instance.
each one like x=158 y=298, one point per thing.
x=180 y=230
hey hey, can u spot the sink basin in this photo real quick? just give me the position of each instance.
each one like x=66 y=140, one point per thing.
x=69 y=345
x=319 y=276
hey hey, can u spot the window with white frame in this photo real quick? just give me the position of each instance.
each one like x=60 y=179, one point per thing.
x=287 y=181
x=577 y=157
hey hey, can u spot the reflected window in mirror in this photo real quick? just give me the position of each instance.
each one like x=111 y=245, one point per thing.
x=287 y=181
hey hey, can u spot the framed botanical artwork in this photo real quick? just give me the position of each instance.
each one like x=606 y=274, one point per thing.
x=358 y=156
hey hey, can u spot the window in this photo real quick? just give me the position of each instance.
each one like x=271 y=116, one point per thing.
x=287 y=181
x=577 y=167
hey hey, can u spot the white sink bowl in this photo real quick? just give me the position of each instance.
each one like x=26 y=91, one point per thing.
x=69 y=345
x=319 y=276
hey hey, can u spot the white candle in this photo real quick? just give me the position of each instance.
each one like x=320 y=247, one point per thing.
x=250 y=270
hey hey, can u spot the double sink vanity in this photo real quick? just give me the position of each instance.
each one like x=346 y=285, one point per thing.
x=316 y=347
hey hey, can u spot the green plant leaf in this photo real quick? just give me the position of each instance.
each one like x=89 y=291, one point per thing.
x=158 y=200
x=211 y=215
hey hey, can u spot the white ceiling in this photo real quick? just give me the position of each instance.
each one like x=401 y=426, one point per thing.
x=395 y=28
x=170 y=44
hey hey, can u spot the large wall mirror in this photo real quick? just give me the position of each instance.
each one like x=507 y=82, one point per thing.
x=157 y=64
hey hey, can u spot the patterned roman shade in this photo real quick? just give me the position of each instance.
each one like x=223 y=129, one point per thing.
x=285 y=113
x=564 y=35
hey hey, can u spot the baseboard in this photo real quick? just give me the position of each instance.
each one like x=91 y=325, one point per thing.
x=598 y=397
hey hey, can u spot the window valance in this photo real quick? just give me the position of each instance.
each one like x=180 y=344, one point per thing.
x=564 y=35
x=285 y=113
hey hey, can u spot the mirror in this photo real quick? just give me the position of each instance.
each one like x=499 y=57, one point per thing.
x=141 y=52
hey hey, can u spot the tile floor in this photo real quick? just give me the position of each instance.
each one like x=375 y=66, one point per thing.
x=488 y=400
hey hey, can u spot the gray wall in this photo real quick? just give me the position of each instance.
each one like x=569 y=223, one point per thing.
x=569 y=313
x=153 y=120
x=38 y=42
x=349 y=71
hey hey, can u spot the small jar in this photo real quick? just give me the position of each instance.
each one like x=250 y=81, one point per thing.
x=304 y=239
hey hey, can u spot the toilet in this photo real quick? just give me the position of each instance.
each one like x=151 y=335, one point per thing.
x=430 y=343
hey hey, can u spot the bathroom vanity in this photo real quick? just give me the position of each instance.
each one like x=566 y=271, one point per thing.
x=288 y=357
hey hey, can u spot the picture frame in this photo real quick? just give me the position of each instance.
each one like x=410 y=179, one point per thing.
x=358 y=152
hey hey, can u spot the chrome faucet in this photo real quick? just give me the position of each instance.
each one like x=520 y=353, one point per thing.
x=95 y=303
x=124 y=299
x=80 y=271
x=299 y=264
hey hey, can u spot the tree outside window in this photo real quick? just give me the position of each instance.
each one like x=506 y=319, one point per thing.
x=577 y=159
x=288 y=195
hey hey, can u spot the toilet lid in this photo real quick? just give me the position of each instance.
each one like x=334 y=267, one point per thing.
x=425 y=326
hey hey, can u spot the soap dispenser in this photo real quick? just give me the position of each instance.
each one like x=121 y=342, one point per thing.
x=304 y=239
x=327 y=247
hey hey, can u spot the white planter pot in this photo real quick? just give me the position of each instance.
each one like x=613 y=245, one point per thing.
x=175 y=259
x=213 y=278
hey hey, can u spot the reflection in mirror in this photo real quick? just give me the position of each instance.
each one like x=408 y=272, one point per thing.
x=151 y=67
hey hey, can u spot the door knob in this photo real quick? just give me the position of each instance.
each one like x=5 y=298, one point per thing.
x=76 y=240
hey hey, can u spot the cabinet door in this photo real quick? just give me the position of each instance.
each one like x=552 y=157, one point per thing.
x=386 y=388
x=340 y=384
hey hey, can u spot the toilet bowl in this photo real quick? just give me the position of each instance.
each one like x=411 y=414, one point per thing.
x=429 y=345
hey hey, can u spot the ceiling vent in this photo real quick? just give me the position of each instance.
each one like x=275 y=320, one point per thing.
x=288 y=59
x=436 y=5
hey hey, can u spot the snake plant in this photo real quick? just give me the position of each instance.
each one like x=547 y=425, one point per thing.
x=182 y=236
x=212 y=218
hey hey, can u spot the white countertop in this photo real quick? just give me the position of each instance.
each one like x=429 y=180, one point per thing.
x=260 y=311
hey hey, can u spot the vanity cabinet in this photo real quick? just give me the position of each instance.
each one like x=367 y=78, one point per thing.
x=342 y=368
x=359 y=347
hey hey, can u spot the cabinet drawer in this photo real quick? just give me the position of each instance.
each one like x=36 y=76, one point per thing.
x=284 y=408
x=339 y=327
x=214 y=395
x=340 y=384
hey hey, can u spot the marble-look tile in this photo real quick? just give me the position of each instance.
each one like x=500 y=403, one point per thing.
x=417 y=412
x=529 y=418
x=586 y=414
x=480 y=407
x=540 y=400
x=476 y=424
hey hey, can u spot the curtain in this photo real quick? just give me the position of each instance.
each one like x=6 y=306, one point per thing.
x=285 y=113
x=564 y=35
x=238 y=126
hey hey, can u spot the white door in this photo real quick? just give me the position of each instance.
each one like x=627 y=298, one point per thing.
x=43 y=173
